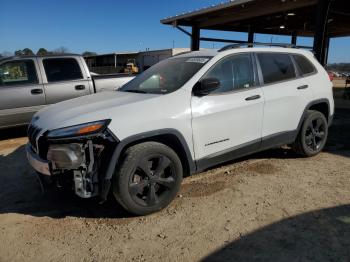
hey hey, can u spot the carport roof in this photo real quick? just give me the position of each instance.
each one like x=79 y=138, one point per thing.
x=282 y=17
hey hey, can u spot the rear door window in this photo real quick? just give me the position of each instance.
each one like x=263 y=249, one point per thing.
x=305 y=66
x=62 y=69
x=276 y=67
x=18 y=73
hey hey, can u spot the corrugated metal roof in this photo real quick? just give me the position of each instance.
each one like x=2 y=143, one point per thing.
x=223 y=5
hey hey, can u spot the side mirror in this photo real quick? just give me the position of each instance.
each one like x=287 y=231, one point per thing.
x=206 y=86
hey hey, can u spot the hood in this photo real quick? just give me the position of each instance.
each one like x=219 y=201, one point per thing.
x=85 y=109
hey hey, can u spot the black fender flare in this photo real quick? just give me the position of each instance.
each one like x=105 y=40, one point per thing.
x=310 y=104
x=139 y=137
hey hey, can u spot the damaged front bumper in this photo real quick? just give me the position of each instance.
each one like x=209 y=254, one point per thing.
x=40 y=165
x=77 y=163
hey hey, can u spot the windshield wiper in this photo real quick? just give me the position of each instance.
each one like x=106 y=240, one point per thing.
x=135 y=91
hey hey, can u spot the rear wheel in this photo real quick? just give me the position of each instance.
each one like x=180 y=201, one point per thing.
x=313 y=134
x=148 y=178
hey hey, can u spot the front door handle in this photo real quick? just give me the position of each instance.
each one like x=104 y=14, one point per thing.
x=79 y=87
x=252 y=97
x=36 y=91
x=303 y=87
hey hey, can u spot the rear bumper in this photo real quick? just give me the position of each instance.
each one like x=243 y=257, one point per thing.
x=40 y=165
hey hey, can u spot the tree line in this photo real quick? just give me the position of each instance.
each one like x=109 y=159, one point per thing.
x=42 y=52
x=339 y=67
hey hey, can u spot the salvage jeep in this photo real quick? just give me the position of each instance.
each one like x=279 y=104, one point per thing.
x=182 y=116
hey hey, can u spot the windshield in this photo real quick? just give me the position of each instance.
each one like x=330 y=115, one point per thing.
x=167 y=76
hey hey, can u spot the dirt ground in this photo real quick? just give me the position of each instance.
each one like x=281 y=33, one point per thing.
x=272 y=206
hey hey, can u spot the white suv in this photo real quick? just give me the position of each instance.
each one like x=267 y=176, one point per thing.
x=180 y=117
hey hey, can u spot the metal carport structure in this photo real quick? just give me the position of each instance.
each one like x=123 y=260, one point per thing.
x=321 y=19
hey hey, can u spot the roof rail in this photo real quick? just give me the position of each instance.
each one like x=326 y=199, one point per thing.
x=35 y=56
x=233 y=46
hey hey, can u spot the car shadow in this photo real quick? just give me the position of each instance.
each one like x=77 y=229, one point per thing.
x=321 y=235
x=339 y=134
x=21 y=192
x=13 y=132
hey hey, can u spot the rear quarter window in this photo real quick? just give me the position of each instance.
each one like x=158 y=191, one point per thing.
x=276 y=67
x=304 y=64
x=62 y=69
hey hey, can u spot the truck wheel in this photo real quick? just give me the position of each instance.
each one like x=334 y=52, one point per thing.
x=313 y=134
x=148 y=178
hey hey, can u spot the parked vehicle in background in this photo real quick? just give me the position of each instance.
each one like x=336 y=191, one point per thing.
x=181 y=116
x=336 y=74
x=346 y=75
x=131 y=67
x=29 y=83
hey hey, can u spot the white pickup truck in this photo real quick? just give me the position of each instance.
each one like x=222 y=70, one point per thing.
x=29 y=83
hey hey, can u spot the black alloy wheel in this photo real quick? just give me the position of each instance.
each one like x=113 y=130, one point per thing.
x=152 y=181
x=313 y=134
x=148 y=178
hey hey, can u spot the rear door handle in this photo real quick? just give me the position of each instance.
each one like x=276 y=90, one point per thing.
x=79 y=87
x=36 y=91
x=252 y=97
x=303 y=87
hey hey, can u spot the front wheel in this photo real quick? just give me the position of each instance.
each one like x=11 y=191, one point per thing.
x=148 y=178
x=313 y=134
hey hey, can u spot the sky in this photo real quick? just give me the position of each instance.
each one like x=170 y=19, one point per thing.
x=105 y=26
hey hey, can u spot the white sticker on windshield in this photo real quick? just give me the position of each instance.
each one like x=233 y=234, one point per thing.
x=199 y=60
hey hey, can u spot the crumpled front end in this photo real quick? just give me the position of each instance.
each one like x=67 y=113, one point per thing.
x=78 y=162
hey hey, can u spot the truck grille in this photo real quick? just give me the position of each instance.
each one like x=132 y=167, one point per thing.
x=33 y=132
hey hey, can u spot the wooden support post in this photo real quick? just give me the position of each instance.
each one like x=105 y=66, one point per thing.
x=195 y=41
x=251 y=36
x=294 y=39
x=321 y=29
x=325 y=52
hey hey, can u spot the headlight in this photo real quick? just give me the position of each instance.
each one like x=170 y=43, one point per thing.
x=79 y=130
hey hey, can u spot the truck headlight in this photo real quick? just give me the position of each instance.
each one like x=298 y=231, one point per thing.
x=79 y=130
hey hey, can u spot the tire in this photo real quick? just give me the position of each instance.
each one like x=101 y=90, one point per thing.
x=148 y=178
x=313 y=134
